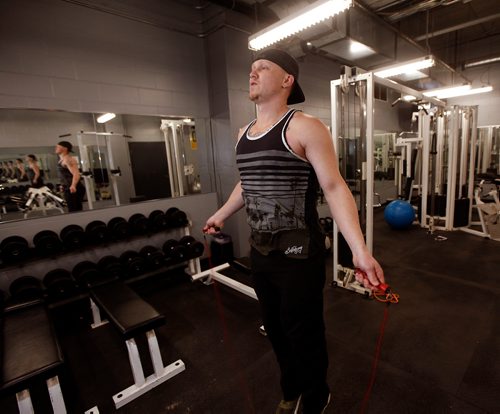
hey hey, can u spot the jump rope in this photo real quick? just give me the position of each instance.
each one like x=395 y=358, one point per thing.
x=242 y=383
x=383 y=294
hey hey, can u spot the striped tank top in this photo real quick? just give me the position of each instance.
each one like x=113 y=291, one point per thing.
x=280 y=191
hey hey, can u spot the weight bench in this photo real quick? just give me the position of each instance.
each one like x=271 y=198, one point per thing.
x=132 y=316
x=30 y=352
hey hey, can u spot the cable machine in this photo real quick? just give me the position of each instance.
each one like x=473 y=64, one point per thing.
x=352 y=103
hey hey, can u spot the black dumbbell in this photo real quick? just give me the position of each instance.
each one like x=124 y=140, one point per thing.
x=60 y=285
x=73 y=237
x=134 y=263
x=97 y=232
x=194 y=247
x=157 y=220
x=119 y=228
x=111 y=267
x=176 y=218
x=26 y=289
x=14 y=249
x=87 y=274
x=153 y=256
x=174 y=251
x=47 y=243
x=138 y=223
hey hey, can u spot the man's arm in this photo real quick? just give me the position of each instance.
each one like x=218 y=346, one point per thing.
x=232 y=205
x=73 y=168
x=316 y=144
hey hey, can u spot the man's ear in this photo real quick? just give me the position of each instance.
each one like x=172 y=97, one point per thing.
x=288 y=81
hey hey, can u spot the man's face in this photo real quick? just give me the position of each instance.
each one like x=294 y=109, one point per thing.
x=60 y=149
x=266 y=79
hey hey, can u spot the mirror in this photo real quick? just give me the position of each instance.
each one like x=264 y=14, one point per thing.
x=128 y=159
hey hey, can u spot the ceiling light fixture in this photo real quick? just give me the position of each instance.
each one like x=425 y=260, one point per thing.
x=296 y=22
x=405 y=67
x=445 y=95
x=105 y=117
x=450 y=90
x=481 y=62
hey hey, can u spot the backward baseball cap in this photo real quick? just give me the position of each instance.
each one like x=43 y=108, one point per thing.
x=290 y=66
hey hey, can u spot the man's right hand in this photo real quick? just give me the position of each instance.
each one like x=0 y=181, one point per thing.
x=213 y=226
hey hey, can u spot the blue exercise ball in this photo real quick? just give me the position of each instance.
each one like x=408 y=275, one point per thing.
x=399 y=214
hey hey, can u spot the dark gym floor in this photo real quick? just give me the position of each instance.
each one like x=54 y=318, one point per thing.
x=440 y=352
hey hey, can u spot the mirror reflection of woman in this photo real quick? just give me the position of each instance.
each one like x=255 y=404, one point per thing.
x=20 y=170
x=33 y=171
x=67 y=168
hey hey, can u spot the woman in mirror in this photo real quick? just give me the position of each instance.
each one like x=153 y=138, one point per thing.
x=67 y=167
x=35 y=175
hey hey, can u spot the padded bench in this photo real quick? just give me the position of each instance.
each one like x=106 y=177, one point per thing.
x=132 y=316
x=30 y=352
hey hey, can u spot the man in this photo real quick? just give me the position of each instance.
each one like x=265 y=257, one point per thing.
x=67 y=168
x=282 y=156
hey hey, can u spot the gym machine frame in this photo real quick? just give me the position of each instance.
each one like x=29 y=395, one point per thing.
x=114 y=172
x=366 y=81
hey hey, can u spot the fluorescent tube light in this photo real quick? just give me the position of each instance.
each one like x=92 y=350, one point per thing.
x=405 y=67
x=105 y=118
x=481 y=62
x=454 y=89
x=296 y=22
x=359 y=50
x=465 y=92
x=409 y=98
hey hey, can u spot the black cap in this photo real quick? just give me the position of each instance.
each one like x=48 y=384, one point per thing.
x=67 y=145
x=290 y=66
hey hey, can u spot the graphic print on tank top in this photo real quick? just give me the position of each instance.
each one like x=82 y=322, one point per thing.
x=279 y=188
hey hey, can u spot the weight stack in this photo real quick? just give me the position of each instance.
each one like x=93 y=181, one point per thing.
x=221 y=248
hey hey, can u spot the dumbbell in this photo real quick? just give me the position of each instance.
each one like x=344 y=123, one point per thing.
x=73 y=237
x=97 y=232
x=194 y=247
x=111 y=267
x=60 y=285
x=47 y=243
x=157 y=220
x=14 y=249
x=87 y=274
x=26 y=289
x=133 y=262
x=138 y=223
x=174 y=252
x=154 y=257
x=176 y=218
x=119 y=228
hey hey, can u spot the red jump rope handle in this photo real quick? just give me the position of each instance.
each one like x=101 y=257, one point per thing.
x=384 y=288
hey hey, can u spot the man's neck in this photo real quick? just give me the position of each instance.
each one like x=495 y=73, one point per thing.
x=270 y=112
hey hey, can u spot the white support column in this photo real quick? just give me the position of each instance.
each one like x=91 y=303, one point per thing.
x=85 y=164
x=112 y=166
x=180 y=169
x=165 y=127
x=452 y=167
x=369 y=161
x=135 y=362
x=56 y=396
x=425 y=133
x=334 y=90
x=24 y=403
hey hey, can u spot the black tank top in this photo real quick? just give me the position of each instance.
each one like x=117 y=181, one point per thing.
x=65 y=175
x=280 y=192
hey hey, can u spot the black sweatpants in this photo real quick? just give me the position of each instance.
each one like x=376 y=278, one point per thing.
x=290 y=293
x=74 y=200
